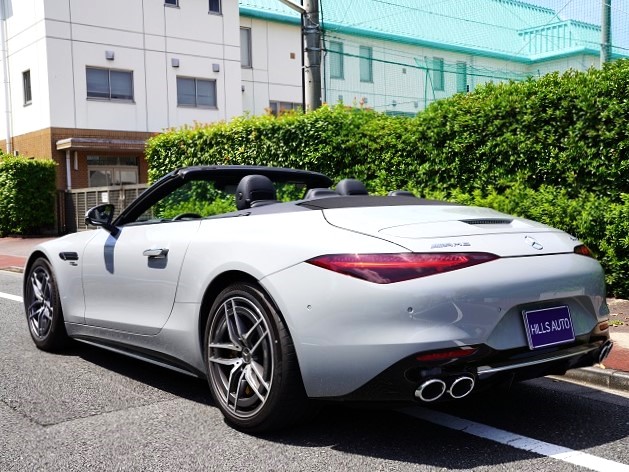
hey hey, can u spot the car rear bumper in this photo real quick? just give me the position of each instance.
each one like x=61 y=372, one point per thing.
x=402 y=381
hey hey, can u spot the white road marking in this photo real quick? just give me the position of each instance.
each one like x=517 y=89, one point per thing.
x=515 y=440
x=8 y=296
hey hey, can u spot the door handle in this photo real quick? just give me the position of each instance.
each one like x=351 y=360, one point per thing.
x=156 y=253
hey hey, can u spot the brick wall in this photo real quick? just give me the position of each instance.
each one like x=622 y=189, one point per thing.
x=42 y=144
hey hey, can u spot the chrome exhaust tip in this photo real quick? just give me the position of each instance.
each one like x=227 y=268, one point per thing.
x=605 y=350
x=462 y=387
x=431 y=390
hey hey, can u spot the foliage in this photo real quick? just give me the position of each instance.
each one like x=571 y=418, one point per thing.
x=27 y=195
x=599 y=222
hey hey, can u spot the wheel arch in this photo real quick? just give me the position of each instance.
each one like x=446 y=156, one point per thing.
x=216 y=286
x=29 y=263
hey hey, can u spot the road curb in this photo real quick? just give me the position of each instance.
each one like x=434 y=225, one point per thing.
x=608 y=378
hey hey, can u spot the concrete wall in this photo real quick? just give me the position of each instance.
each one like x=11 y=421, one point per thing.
x=275 y=74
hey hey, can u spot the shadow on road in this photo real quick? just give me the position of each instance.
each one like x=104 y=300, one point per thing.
x=543 y=409
x=181 y=385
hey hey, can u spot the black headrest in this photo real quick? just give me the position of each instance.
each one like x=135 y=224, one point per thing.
x=254 y=188
x=351 y=187
x=319 y=193
x=400 y=193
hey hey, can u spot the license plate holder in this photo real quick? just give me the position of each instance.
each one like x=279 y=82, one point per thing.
x=548 y=326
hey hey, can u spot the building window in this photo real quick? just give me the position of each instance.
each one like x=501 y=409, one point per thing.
x=215 y=6
x=245 y=47
x=335 y=49
x=366 y=63
x=277 y=108
x=461 y=77
x=200 y=93
x=109 y=84
x=26 y=82
x=174 y=3
x=437 y=74
x=105 y=171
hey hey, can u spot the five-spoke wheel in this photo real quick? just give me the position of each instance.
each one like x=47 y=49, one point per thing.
x=43 y=309
x=251 y=363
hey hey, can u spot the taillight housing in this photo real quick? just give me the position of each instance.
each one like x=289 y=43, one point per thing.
x=584 y=251
x=447 y=355
x=391 y=268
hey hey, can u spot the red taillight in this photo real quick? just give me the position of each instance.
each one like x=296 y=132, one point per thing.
x=583 y=250
x=446 y=355
x=390 y=268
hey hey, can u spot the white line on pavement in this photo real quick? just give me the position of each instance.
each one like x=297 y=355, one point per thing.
x=515 y=440
x=8 y=296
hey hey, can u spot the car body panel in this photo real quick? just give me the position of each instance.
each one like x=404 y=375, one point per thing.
x=279 y=241
x=127 y=290
x=345 y=330
x=451 y=228
x=67 y=273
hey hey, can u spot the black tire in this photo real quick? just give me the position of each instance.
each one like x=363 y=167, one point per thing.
x=43 y=307
x=251 y=364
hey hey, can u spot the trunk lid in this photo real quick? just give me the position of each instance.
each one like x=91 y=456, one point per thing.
x=449 y=228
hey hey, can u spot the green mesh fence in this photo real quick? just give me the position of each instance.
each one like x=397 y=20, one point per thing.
x=398 y=56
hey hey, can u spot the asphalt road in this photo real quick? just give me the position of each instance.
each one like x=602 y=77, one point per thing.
x=89 y=409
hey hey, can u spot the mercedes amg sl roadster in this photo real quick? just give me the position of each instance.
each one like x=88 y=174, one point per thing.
x=281 y=290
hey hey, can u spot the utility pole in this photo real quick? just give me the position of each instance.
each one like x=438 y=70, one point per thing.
x=606 y=34
x=312 y=54
x=311 y=34
x=4 y=53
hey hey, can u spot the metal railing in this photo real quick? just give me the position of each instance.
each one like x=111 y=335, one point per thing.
x=78 y=201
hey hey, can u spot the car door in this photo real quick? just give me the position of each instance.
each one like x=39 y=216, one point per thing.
x=130 y=279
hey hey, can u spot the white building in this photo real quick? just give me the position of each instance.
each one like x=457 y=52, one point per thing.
x=88 y=82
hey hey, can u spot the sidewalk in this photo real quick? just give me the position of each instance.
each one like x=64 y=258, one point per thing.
x=614 y=373
x=13 y=252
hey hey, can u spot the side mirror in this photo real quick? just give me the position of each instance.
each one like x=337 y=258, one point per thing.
x=102 y=215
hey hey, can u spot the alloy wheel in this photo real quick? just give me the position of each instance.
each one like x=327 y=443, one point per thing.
x=40 y=303
x=240 y=356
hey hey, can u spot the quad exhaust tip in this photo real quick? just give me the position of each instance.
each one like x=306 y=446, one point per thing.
x=605 y=350
x=461 y=387
x=433 y=389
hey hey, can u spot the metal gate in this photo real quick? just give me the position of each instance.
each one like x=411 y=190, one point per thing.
x=78 y=201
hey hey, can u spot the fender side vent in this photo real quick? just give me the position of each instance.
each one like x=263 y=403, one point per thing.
x=488 y=221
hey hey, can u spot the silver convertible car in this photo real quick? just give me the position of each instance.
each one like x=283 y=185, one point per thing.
x=334 y=295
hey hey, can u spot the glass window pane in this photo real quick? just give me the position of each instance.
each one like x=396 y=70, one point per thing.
x=215 y=6
x=100 y=178
x=186 y=93
x=366 y=64
x=461 y=77
x=26 y=81
x=206 y=93
x=97 y=83
x=121 y=85
x=245 y=47
x=125 y=177
x=437 y=73
x=336 y=59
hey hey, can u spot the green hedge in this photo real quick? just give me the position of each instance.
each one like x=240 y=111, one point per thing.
x=602 y=224
x=570 y=131
x=27 y=195
x=554 y=149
